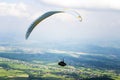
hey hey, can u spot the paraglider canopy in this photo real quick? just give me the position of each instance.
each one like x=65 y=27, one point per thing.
x=46 y=15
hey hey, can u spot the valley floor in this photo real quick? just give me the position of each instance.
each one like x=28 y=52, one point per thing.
x=20 y=70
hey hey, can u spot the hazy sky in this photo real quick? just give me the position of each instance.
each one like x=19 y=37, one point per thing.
x=101 y=20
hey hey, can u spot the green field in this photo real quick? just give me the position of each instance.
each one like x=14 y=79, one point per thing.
x=20 y=70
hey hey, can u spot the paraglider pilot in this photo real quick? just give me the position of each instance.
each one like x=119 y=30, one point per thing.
x=62 y=63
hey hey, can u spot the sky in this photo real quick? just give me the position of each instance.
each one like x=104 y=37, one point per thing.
x=101 y=20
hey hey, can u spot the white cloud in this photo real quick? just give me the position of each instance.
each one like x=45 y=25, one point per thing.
x=102 y=4
x=41 y=51
x=71 y=53
x=13 y=9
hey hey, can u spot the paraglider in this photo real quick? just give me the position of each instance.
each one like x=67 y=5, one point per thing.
x=43 y=17
x=62 y=63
